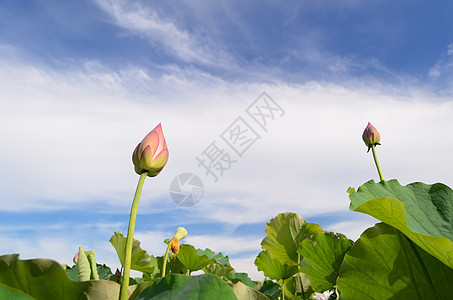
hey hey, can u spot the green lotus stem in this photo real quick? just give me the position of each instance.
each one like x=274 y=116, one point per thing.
x=283 y=290
x=165 y=261
x=130 y=238
x=300 y=278
x=377 y=163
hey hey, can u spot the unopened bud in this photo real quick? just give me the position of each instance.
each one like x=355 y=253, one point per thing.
x=76 y=258
x=151 y=154
x=371 y=136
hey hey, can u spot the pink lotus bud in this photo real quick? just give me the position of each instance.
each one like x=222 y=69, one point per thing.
x=76 y=258
x=371 y=136
x=151 y=154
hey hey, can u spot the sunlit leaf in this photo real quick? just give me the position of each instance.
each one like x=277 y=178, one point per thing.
x=244 y=278
x=45 y=279
x=284 y=234
x=219 y=257
x=244 y=292
x=273 y=268
x=323 y=255
x=140 y=260
x=422 y=212
x=385 y=264
x=190 y=259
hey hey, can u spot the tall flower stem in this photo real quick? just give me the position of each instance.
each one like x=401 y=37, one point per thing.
x=300 y=278
x=377 y=163
x=130 y=237
x=165 y=261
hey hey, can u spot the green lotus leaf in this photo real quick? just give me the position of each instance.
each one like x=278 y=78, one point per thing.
x=45 y=279
x=173 y=265
x=284 y=234
x=270 y=289
x=385 y=264
x=190 y=259
x=244 y=278
x=140 y=260
x=177 y=286
x=7 y=292
x=422 y=212
x=219 y=270
x=244 y=292
x=323 y=255
x=273 y=268
x=219 y=257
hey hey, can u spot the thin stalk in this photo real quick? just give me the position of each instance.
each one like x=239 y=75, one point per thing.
x=377 y=163
x=300 y=278
x=283 y=290
x=165 y=261
x=130 y=237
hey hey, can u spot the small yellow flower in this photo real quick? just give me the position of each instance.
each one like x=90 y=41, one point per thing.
x=181 y=233
x=174 y=245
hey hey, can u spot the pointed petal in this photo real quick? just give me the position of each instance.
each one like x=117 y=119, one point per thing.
x=146 y=159
x=152 y=140
x=160 y=160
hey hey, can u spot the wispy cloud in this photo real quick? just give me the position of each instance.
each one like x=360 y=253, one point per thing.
x=67 y=137
x=162 y=32
x=441 y=74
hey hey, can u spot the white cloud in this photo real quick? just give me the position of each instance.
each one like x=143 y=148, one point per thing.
x=352 y=229
x=247 y=265
x=67 y=138
x=77 y=132
x=228 y=245
x=162 y=31
x=441 y=73
x=450 y=49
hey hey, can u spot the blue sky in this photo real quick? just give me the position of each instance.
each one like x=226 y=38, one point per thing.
x=82 y=82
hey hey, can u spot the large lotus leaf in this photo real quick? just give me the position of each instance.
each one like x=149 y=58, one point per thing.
x=323 y=255
x=273 y=268
x=8 y=293
x=173 y=265
x=385 y=264
x=284 y=234
x=190 y=259
x=424 y=213
x=244 y=292
x=140 y=260
x=219 y=257
x=177 y=286
x=45 y=279
x=219 y=270
x=244 y=278
x=270 y=289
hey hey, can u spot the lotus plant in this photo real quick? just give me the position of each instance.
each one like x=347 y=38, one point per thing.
x=149 y=158
x=371 y=137
x=173 y=245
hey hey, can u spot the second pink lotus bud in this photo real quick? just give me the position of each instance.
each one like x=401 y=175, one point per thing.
x=371 y=136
